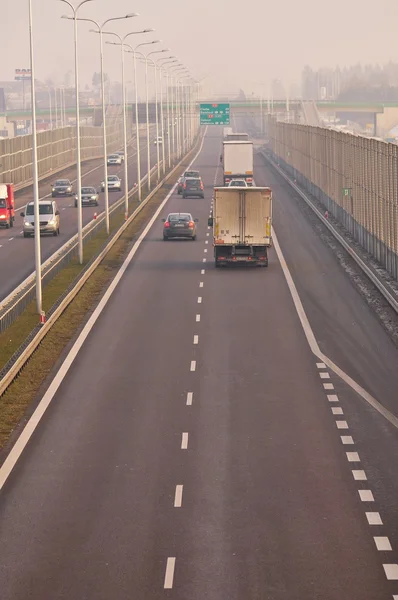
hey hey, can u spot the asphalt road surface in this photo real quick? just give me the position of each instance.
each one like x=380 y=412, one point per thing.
x=197 y=449
x=17 y=259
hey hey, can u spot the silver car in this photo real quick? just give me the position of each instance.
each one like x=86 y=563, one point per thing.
x=48 y=218
x=114 y=184
x=238 y=183
x=62 y=187
x=114 y=159
x=89 y=197
x=121 y=154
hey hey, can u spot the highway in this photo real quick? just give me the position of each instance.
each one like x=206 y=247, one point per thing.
x=196 y=448
x=17 y=259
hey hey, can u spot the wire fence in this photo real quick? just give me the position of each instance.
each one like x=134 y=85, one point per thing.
x=354 y=177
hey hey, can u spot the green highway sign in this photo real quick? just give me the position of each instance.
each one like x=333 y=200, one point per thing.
x=214 y=114
x=346 y=191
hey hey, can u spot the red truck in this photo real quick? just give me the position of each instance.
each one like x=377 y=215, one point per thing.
x=7 y=211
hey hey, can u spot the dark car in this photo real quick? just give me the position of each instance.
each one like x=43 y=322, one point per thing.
x=180 y=184
x=62 y=187
x=193 y=187
x=179 y=225
x=89 y=197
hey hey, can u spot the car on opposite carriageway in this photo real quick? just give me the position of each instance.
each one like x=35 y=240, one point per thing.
x=114 y=184
x=89 y=197
x=179 y=225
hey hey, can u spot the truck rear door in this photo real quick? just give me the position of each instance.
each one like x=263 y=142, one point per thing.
x=258 y=216
x=227 y=214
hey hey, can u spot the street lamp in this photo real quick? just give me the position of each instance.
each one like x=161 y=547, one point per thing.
x=156 y=111
x=178 y=72
x=35 y=174
x=168 y=62
x=100 y=31
x=175 y=113
x=78 y=165
x=122 y=44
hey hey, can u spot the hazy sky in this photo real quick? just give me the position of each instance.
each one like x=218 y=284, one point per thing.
x=236 y=44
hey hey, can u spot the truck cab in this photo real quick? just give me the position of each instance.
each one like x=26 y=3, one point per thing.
x=7 y=210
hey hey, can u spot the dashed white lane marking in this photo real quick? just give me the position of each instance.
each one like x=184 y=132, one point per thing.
x=200 y=300
x=347 y=440
x=324 y=375
x=359 y=475
x=382 y=543
x=204 y=259
x=201 y=284
x=336 y=410
x=21 y=232
x=328 y=386
x=64 y=208
x=193 y=365
x=203 y=271
x=178 y=496
x=10 y=239
x=189 y=398
x=366 y=495
x=209 y=227
x=374 y=518
x=342 y=424
x=352 y=457
x=184 y=441
x=196 y=339
x=321 y=365
x=169 y=575
x=391 y=572
x=333 y=398
x=207 y=234
x=206 y=241
x=197 y=318
x=205 y=250
x=1 y=245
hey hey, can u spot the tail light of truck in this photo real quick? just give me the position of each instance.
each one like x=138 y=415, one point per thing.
x=249 y=180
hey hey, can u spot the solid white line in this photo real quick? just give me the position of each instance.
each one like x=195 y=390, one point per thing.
x=347 y=440
x=328 y=386
x=359 y=475
x=366 y=495
x=324 y=375
x=189 y=398
x=382 y=543
x=391 y=572
x=342 y=424
x=197 y=318
x=178 y=496
x=193 y=365
x=196 y=339
x=336 y=410
x=169 y=576
x=35 y=419
x=199 y=299
x=184 y=441
x=353 y=457
x=333 y=398
x=321 y=365
x=374 y=518
x=314 y=344
x=202 y=271
x=201 y=284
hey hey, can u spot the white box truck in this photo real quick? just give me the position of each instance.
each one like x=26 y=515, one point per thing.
x=242 y=225
x=227 y=131
x=238 y=161
x=236 y=137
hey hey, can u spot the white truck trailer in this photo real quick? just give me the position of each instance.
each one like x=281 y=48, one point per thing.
x=238 y=161
x=242 y=225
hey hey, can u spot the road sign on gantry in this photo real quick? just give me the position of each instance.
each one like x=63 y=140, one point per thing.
x=214 y=114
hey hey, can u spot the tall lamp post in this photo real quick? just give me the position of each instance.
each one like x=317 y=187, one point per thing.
x=122 y=47
x=35 y=170
x=75 y=11
x=175 y=110
x=104 y=136
x=163 y=65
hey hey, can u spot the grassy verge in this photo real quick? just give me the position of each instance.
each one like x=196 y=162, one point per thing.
x=22 y=392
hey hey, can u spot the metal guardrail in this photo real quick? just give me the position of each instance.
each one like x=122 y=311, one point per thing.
x=13 y=367
x=377 y=282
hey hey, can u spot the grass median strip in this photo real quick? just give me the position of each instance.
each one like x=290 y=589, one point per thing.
x=24 y=389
